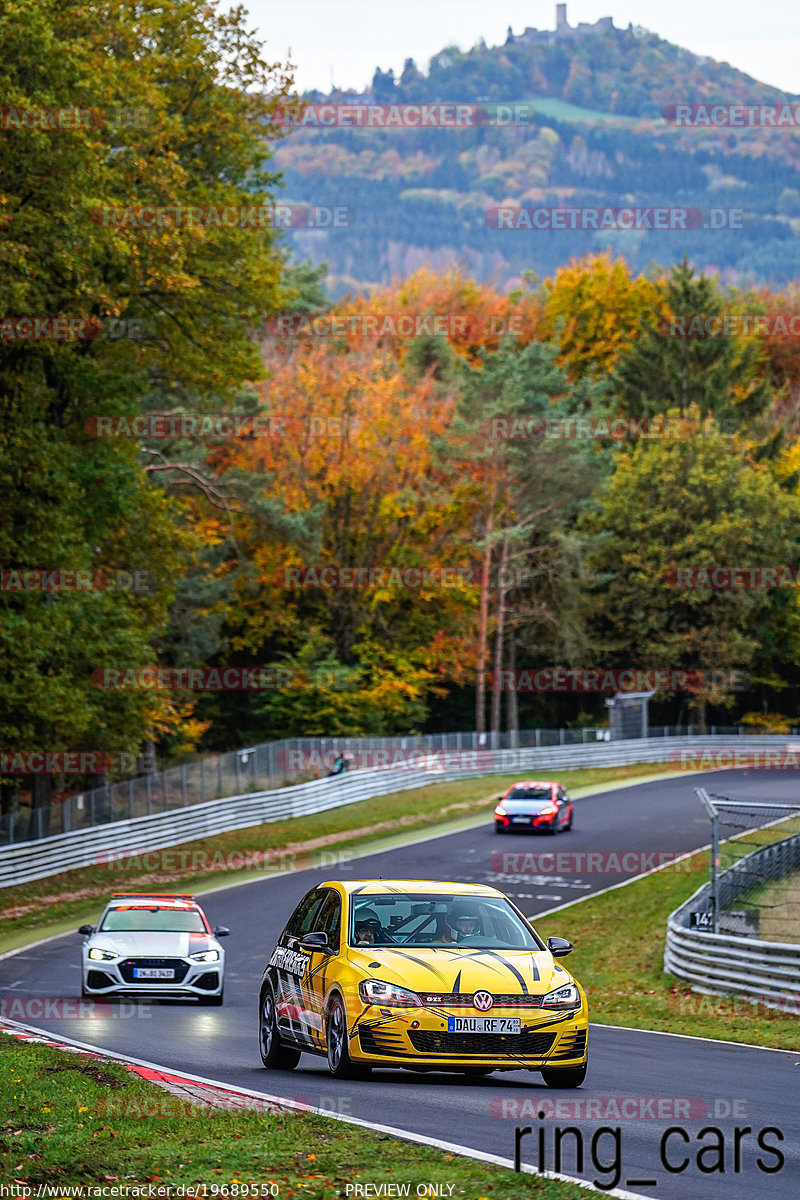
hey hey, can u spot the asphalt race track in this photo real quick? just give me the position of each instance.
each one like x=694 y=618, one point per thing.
x=721 y=1085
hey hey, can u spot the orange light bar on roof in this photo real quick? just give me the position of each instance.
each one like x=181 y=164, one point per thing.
x=149 y=895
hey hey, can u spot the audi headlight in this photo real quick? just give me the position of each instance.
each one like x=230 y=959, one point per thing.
x=499 y=811
x=101 y=955
x=566 y=996
x=205 y=956
x=375 y=991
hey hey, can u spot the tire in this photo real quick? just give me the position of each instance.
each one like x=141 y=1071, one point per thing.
x=274 y=1055
x=499 y=829
x=568 y=828
x=340 y=1064
x=211 y=1001
x=564 y=1077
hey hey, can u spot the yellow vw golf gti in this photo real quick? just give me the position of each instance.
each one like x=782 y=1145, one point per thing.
x=428 y=976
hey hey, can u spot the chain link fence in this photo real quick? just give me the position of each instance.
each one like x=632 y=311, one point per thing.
x=755 y=869
x=271 y=765
x=253 y=769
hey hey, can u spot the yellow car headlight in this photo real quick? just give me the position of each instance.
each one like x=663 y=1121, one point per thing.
x=375 y=991
x=566 y=996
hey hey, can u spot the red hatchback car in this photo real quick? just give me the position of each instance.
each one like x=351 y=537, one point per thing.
x=534 y=804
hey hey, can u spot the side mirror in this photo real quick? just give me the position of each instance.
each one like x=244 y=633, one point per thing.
x=220 y=931
x=559 y=947
x=87 y=929
x=497 y=799
x=316 y=941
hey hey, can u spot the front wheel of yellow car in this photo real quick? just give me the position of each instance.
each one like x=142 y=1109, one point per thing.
x=340 y=1064
x=564 y=1077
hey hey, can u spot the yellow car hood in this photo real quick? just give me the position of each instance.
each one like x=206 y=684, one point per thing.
x=461 y=970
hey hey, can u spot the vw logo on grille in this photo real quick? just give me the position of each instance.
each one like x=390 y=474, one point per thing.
x=482 y=1001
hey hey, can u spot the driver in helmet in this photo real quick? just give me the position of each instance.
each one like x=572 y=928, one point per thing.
x=368 y=928
x=463 y=921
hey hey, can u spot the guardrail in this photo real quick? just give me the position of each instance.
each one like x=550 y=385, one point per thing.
x=724 y=963
x=274 y=764
x=266 y=766
x=23 y=862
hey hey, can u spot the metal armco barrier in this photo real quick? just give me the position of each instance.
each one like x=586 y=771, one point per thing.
x=272 y=765
x=26 y=861
x=721 y=963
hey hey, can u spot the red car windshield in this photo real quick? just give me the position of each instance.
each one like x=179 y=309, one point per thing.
x=523 y=793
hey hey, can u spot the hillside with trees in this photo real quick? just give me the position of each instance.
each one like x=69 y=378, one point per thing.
x=594 y=135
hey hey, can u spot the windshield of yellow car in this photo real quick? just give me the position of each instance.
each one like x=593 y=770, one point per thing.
x=418 y=919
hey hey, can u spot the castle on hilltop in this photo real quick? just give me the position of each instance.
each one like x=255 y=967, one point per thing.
x=563 y=31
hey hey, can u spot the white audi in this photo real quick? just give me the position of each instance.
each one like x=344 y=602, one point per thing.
x=153 y=944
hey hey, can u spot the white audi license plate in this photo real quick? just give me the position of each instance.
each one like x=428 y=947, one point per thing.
x=483 y=1025
x=153 y=973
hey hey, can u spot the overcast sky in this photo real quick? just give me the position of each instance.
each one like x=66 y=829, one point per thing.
x=345 y=40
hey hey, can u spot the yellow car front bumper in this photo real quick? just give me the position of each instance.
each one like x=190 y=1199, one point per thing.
x=418 y=1037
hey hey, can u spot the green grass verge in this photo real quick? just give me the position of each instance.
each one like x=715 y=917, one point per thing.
x=56 y=1130
x=778 y=904
x=61 y=902
x=619 y=952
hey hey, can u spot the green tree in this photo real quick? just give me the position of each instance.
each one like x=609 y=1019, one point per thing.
x=722 y=376
x=528 y=481
x=692 y=503
x=170 y=110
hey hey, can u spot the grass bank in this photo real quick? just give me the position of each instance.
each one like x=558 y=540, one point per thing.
x=56 y=1130
x=619 y=952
